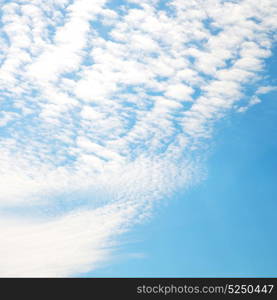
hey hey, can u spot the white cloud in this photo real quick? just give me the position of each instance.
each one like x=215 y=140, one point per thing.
x=106 y=103
x=75 y=242
x=253 y=101
x=266 y=89
x=179 y=91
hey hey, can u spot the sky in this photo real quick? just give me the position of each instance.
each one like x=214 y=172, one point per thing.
x=226 y=225
x=138 y=138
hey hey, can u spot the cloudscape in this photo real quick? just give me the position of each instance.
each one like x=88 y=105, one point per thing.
x=107 y=108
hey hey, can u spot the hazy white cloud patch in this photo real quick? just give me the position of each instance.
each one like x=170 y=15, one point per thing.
x=105 y=106
x=266 y=89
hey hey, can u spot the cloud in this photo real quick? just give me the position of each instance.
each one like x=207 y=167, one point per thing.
x=58 y=247
x=253 y=101
x=266 y=89
x=105 y=109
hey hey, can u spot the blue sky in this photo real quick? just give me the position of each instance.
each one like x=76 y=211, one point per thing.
x=138 y=138
x=226 y=225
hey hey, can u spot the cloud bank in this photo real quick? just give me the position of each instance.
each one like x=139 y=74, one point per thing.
x=105 y=109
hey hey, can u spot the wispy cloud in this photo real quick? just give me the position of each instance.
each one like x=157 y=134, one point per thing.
x=266 y=89
x=105 y=105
